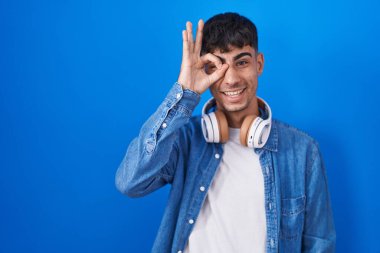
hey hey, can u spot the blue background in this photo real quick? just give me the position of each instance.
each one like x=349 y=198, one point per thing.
x=79 y=78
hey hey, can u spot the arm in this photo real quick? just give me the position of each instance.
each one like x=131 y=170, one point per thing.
x=151 y=157
x=150 y=161
x=319 y=231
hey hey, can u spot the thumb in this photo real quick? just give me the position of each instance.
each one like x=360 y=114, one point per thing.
x=217 y=74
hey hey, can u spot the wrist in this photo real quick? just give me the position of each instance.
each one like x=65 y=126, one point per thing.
x=186 y=87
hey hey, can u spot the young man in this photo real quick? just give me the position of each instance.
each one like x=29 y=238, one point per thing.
x=241 y=181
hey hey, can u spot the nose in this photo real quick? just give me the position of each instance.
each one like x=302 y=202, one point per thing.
x=231 y=77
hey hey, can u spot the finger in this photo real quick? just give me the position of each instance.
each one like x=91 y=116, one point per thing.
x=218 y=74
x=189 y=29
x=185 y=45
x=198 y=38
x=211 y=58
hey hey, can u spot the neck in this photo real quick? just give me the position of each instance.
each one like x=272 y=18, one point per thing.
x=235 y=118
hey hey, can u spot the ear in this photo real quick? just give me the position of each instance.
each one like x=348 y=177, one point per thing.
x=260 y=63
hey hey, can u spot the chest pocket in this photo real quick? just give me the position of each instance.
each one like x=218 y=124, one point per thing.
x=292 y=217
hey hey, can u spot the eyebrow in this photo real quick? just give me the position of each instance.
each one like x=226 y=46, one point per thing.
x=235 y=57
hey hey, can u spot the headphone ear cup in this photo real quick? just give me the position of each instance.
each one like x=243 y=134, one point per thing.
x=223 y=126
x=207 y=130
x=244 y=129
x=262 y=135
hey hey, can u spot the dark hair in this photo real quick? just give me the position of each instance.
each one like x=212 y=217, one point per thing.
x=228 y=29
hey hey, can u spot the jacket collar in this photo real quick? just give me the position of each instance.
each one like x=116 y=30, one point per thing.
x=272 y=141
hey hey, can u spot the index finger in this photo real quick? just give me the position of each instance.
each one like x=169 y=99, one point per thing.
x=211 y=58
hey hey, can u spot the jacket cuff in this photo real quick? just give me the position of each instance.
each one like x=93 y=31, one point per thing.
x=183 y=97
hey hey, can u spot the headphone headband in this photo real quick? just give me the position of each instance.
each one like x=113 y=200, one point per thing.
x=208 y=105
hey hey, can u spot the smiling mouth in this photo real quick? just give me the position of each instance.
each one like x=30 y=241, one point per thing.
x=233 y=93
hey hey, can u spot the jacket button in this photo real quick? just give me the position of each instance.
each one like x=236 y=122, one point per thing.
x=178 y=95
x=179 y=251
x=191 y=221
x=217 y=156
x=164 y=125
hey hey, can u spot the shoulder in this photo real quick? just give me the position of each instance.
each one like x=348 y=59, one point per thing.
x=288 y=131
x=195 y=120
x=192 y=129
x=194 y=124
x=292 y=138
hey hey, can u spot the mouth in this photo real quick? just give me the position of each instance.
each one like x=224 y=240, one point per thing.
x=234 y=93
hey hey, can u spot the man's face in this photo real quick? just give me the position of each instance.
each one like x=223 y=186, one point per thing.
x=236 y=91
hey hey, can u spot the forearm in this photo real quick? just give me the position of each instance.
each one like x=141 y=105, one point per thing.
x=151 y=158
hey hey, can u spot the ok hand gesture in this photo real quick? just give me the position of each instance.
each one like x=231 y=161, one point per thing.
x=193 y=75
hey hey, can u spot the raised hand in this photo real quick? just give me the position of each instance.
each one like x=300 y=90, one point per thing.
x=193 y=75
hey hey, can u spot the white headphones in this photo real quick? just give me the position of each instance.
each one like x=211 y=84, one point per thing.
x=254 y=131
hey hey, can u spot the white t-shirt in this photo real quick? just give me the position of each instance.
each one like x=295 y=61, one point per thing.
x=232 y=218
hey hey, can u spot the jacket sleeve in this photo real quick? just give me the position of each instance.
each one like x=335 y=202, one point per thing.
x=151 y=158
x=319 y=231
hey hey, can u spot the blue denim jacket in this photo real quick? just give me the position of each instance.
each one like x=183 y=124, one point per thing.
x=171 y=149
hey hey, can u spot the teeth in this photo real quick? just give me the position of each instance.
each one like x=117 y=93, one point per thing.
x=233 y=93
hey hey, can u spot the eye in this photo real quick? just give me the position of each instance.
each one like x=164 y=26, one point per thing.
x=241 y=63
x=210 y=68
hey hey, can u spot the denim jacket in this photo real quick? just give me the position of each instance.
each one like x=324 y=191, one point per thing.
x=171 y=149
